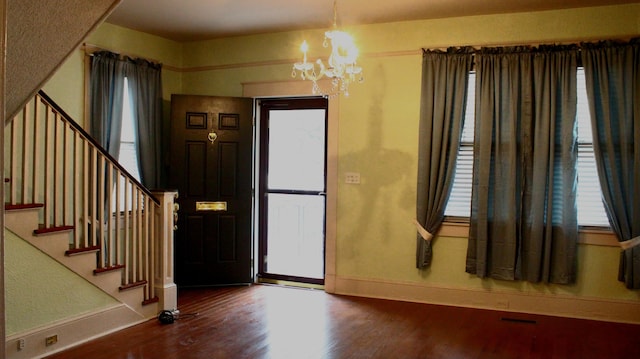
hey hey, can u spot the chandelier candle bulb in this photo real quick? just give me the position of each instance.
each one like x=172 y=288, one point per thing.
x=304 y=48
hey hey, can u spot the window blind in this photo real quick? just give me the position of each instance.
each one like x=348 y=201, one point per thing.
x=589 y=196
x=459 y=204
x=128 y=156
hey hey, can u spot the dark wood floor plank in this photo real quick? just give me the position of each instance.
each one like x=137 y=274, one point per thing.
x=281 y=323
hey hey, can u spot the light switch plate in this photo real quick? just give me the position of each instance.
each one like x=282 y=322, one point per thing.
x=352 y=178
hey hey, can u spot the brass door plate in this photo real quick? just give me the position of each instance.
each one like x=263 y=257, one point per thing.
x=211 y=206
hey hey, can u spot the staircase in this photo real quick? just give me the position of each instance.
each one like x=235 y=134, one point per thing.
x=22 y=220
x=67 y=197
x=39 y=37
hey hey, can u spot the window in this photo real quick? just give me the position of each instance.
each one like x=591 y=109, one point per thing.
x=128 y=157
x=590 y=207
x=459 y=204
x=589 y=196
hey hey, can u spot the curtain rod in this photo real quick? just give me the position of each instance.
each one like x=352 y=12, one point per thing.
x=573 y=41
x=89 y=49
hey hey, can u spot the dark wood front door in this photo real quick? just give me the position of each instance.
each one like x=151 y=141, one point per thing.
x=210 y=165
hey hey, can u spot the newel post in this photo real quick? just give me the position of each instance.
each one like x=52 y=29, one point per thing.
x=165 y=288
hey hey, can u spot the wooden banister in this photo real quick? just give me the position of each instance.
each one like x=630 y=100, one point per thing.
x=55 y=164
x=93 y=142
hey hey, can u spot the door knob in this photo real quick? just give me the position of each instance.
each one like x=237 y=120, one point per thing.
x=212 y=136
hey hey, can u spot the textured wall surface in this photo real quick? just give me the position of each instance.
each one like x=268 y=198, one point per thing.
x=40 y=36
x=40 y=291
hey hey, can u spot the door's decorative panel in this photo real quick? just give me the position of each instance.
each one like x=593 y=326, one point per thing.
x=196 y=120
x=229 y=121
x=195 y=171
x=194 y=239
x=228 y=168
x=227 y=238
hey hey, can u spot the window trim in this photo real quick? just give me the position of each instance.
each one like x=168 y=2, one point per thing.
x=596 y=236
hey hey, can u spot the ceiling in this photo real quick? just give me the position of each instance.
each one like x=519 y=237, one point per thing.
x=189 y=20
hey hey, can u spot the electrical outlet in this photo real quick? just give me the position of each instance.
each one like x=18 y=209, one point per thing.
x=503 y=304
x=51 y=340
x=352 y=178
x=20 y=344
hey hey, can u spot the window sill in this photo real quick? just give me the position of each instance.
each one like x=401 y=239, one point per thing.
x=592 y=235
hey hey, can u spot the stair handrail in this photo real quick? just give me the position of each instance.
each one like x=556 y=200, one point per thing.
x=95 y=143
x=58 y=163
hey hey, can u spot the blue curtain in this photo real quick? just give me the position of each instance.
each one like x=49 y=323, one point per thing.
x=445 y=76
x=523 y=223
x=612 y=73
x=108 y=72
x=106 y=87
x=145 y=89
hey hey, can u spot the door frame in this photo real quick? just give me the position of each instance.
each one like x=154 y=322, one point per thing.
x=257 y=90
x=262 y=135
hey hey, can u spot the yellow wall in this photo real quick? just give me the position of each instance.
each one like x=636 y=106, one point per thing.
x=41 y=291
x=67 y=86
x=378 y=131
x=378 y=127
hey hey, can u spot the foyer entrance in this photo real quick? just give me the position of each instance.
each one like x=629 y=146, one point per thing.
x=292 y=189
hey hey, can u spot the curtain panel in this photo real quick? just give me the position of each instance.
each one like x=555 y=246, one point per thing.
x=612 y=74
x=106 y=88
x=108 y=72
x=145 y=89
x=523 y=223
x=445 y=76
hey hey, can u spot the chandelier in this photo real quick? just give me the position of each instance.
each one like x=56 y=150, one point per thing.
x=341 y=65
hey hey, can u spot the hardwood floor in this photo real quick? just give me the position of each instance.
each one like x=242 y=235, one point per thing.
x=263 y=321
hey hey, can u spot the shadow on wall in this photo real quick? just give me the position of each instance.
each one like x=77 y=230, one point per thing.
x=378 y=198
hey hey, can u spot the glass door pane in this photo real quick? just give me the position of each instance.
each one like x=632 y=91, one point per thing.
x=296 y=150
x=296 y=235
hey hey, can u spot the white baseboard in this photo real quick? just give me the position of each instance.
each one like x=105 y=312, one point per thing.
x=71 y=332
x=623 y=311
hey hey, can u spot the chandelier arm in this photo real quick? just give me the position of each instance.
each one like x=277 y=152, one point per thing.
x=341 y=65
x=313 y=75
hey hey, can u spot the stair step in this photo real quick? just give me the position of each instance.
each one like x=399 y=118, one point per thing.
x=19 y=206
x=133 y=285
x=151 y=301
x=108 y=269
x=50 y=230
x=76 y=251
